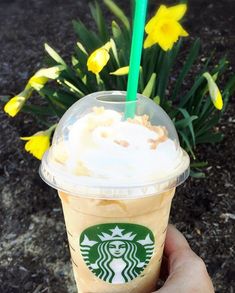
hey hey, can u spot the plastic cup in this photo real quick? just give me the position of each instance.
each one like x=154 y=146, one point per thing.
x=116 y=217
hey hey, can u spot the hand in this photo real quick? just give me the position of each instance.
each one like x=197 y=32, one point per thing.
x=185 y=272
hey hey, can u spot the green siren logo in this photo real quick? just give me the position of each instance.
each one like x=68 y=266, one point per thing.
x=117 y=253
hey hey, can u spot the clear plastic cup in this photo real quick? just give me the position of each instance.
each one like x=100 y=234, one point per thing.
x=116 y=193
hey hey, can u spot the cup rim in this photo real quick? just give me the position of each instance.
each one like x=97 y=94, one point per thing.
x=98 y=96
x=102 y=191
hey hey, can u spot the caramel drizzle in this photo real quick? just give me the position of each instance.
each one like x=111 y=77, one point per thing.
x=140 y=120
x=155 y=142
x=122 y=143
x=160 y=130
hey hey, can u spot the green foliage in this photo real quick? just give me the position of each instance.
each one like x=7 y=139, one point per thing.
x=186 y=99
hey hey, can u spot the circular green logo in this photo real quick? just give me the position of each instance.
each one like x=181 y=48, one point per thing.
x=117 y=252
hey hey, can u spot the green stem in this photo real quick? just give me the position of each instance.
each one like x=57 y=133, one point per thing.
x=51 y=129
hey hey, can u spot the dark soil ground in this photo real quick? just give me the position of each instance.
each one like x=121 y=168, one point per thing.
x=34 y=255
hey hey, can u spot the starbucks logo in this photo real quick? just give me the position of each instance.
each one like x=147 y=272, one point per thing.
x=117 y=253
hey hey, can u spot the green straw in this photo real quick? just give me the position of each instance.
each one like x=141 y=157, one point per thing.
x=135 y=58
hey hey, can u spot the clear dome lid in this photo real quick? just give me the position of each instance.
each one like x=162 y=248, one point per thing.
x=96 y=152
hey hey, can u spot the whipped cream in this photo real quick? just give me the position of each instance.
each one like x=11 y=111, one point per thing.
x=103 y=148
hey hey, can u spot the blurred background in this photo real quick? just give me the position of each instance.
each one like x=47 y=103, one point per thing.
x=34 y=255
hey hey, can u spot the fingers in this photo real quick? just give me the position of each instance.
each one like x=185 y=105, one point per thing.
x=187 y=271
x=164 y=269
x=175 y=241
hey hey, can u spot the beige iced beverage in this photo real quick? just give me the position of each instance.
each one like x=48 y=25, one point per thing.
x=116 y=179
x=151 y=212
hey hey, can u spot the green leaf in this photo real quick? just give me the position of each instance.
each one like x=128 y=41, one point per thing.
x=38 y=110
x=81 y=67
x=84 y=79
x=99 y=19
x=72 y=76
x=191 y=92
x=230 y=86
x=206 y=109
x=82 y=49
x=199 y=165
x=150 y=86
x=189 y=120
x=197 y=174
x=115 y=53
x=116 y=30
x=157 y=100
x=118 y=12
x=74 y=61
x=123 y=43
x=56 y=105
x=227 y=92
x=175 y=51
x=210 y=138
x=55 y=56
x=65 y=97
x=164 y=67
x=163 y=75
x=183 y=123
x=187 y=143
x=193 y=54
x=73 y=87
x=88 y=38
x=221 y=67
x=150 y=58
x=206 y=125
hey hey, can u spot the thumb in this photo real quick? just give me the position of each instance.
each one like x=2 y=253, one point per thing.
x=187 y=271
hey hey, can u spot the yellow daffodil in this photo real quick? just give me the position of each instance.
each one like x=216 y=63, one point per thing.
x=121 y=71
x=14 y=105
x=214 y=91
x=99 y=58
x=38 y=143
x=36 y=82
x=42 y=76
x=164 y=28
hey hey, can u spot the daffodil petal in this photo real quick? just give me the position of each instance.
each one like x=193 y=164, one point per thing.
x=42 y=76
x=121 y=71
x=98 y=60
x=168 y=34
x=149 y=42
x=38 y=143
x=150 y=26
x=183 y=32
x=162 y=12
x=15 y=104
x=37 y=146
x=38 y=82
x=51 y=72
x=178 y=11
x=214 y=91
x=166 y=44
x=218 y=102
